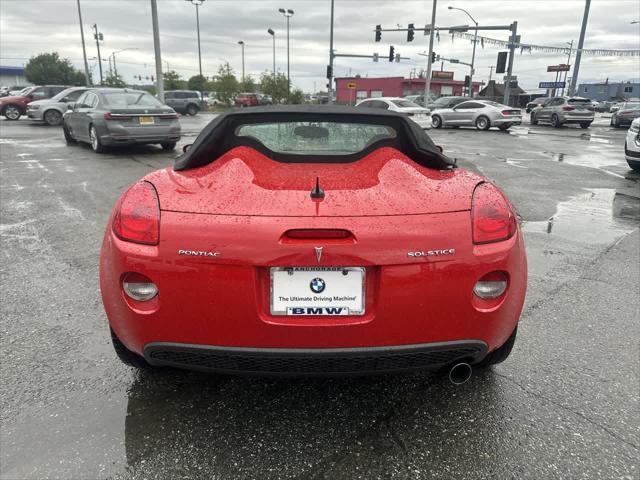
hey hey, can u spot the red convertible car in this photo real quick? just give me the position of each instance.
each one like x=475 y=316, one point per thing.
x=313 y=240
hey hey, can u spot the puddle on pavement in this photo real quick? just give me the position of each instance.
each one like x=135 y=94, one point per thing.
x=597 y=216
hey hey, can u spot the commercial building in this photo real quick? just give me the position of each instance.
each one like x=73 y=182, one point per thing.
x=609 y=90
x=352 y=89
x=495 y=92
x=11 y=76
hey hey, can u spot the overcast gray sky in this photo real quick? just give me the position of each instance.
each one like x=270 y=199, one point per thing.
x=35 y=26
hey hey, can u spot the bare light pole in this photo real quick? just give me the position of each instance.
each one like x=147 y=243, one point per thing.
x=427 y=81
x=241 y=43
x=84 y=49
x=288 y=13
x=273 y=35
x=473 y=55
x=156 y=48
x=568 y=60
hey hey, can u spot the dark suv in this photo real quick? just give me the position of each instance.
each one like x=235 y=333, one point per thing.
x=14 y=107
x=183 y=101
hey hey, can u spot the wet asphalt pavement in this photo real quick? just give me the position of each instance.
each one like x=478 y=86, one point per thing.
x=564 y=405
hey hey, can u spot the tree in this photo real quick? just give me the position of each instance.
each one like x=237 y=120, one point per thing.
x=114 y=80
x=49 y=68
x=198 y=83
x=226 y=84
x=275 y=87
x=172 y=80
x=297 y=96
x=248 y=85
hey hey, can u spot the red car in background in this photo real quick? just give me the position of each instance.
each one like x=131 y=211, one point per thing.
x=16 y=106
x=313 y=240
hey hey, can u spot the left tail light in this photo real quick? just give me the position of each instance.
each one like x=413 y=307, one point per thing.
x=492 y=218
x=567 y=108
x=137 y=216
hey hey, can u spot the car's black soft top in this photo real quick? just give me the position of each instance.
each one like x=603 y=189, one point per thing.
x=218 y=137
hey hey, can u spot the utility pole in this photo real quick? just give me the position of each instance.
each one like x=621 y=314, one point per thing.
x=98 y=37
x=156 y=48
x=427 y=81
x=567 y=71
x=330 y=69
x=512 y=51
x=84 y=49
x=583 y=30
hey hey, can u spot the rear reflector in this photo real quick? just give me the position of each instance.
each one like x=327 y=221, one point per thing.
x=139 y=287
x=137 y=215
x=492 y=217
x=491 y=286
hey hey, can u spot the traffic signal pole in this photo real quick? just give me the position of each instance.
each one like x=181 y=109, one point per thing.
x=158 y=55
x=512 y=51
x=427 y=82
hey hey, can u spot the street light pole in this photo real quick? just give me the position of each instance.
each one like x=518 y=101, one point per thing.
x=84 y=49
x=273 y=36
x=156 y=48
x=113 y=54
x=330 y=73
x=473 y=55
x=241 y=43
x=288 y=13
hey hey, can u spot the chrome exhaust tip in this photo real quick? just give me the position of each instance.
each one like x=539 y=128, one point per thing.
x=460 y=373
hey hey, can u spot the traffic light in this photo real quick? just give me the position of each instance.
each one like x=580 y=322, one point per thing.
x=329 y=71
x=392 y=53
x=433 y=57
x=410 y=33
x=378 y=33
x=502 y=62
x=467 y=81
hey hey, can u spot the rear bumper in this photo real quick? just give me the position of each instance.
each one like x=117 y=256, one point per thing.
x=116 y=139
x=506 y=121
x=314 y=361
x=576 y=118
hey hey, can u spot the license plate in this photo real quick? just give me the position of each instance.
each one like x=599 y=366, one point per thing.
x=146 y=121
x=313 y=291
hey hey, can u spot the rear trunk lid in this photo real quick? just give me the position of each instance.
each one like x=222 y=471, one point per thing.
x=244 y=182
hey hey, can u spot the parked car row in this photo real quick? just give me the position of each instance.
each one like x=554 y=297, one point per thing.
x=14 y=106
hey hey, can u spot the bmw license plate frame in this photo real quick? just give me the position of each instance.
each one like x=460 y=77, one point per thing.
x=343 y=291
x=146 y=120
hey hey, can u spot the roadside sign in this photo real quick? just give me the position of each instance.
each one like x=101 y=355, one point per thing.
x=442 y=75
x=559 y=68
x=513 y=78
x=351 y=85
x=551 y=84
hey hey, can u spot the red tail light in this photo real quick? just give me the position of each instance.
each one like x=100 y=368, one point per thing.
x=492 y=218
x=625 y=112
x=567 y=108
x=169 y=116
x=137 y=216
x=115 y=116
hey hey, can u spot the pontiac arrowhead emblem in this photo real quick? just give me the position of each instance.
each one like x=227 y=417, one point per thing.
x=318 y=253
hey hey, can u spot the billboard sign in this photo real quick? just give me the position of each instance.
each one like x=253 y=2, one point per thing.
x=551 y=85
x=559 y=68
x=442 y=75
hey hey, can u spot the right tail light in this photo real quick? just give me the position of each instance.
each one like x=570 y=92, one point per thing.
x=492 y=218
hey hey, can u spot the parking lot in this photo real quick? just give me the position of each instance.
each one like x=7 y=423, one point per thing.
x=564 y=405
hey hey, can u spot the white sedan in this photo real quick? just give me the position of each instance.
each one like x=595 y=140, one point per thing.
x=420 y=115
x=632 y=145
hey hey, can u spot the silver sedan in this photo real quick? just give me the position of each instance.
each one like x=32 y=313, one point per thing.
x=104 y=117
x=482 y=114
